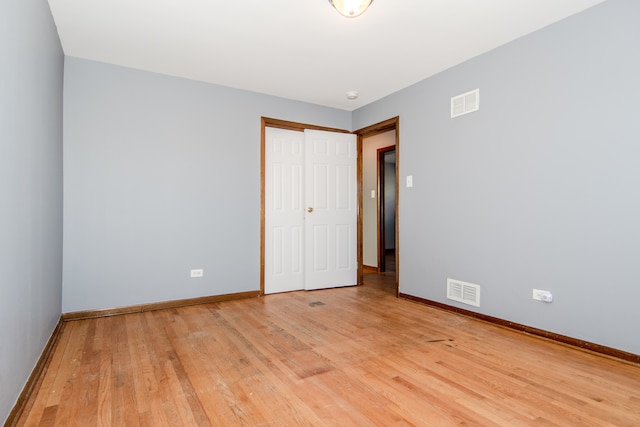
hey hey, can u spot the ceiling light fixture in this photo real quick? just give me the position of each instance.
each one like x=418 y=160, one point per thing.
x=351 y=8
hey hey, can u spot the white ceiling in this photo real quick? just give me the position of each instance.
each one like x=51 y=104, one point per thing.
x=299 y=49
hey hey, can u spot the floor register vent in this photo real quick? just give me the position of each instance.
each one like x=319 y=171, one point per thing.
x=466 y=293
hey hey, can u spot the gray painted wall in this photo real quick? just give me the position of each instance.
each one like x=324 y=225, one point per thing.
x=538 y=189
x=162 y=175
x=31 y=71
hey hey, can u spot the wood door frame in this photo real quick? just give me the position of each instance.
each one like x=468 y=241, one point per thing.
x=375 y=129
x=382 y=228
x=298 y=127
x=385 y=126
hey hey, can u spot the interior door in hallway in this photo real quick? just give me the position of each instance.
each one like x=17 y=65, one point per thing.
x=310 y=210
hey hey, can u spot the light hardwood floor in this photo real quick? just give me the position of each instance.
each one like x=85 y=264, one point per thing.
x=348 y=357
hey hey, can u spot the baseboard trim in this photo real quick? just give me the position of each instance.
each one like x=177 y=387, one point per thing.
x=35 y=379
x=90 y=314
x=370 y=268
x=573 y=342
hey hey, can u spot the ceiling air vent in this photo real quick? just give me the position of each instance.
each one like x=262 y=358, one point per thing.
x=465 y=103
x=466 y=293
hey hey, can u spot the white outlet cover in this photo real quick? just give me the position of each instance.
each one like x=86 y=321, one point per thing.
x=197 y=272
x=540 y=295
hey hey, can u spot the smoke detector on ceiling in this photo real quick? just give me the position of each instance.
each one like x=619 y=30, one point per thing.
x=352 y=94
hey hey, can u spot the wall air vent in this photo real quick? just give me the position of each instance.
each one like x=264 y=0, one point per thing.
x=465 y=103
x=466 y=293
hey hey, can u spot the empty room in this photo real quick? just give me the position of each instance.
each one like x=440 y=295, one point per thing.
x=320 y=212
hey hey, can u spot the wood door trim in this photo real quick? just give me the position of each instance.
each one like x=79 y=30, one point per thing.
x=299 y=127
x=375 y=129
x=384 y=126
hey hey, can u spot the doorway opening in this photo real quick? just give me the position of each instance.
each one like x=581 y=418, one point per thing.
x=379 y=146
x=386 y=172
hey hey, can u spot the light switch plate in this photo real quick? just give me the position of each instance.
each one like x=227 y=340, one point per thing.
x=409 y=181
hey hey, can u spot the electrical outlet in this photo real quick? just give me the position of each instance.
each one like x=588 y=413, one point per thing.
x=197 y=272
x=544 y=296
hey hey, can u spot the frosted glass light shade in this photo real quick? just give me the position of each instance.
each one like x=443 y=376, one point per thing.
x=351 y=8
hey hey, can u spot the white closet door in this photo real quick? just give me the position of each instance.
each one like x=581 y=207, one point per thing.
x=284 y=211
x=310 y=210
x=331 y=216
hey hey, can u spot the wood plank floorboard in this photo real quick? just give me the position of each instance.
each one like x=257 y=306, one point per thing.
x=340 y=357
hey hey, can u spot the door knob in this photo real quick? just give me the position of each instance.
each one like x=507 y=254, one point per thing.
x=309 y=209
